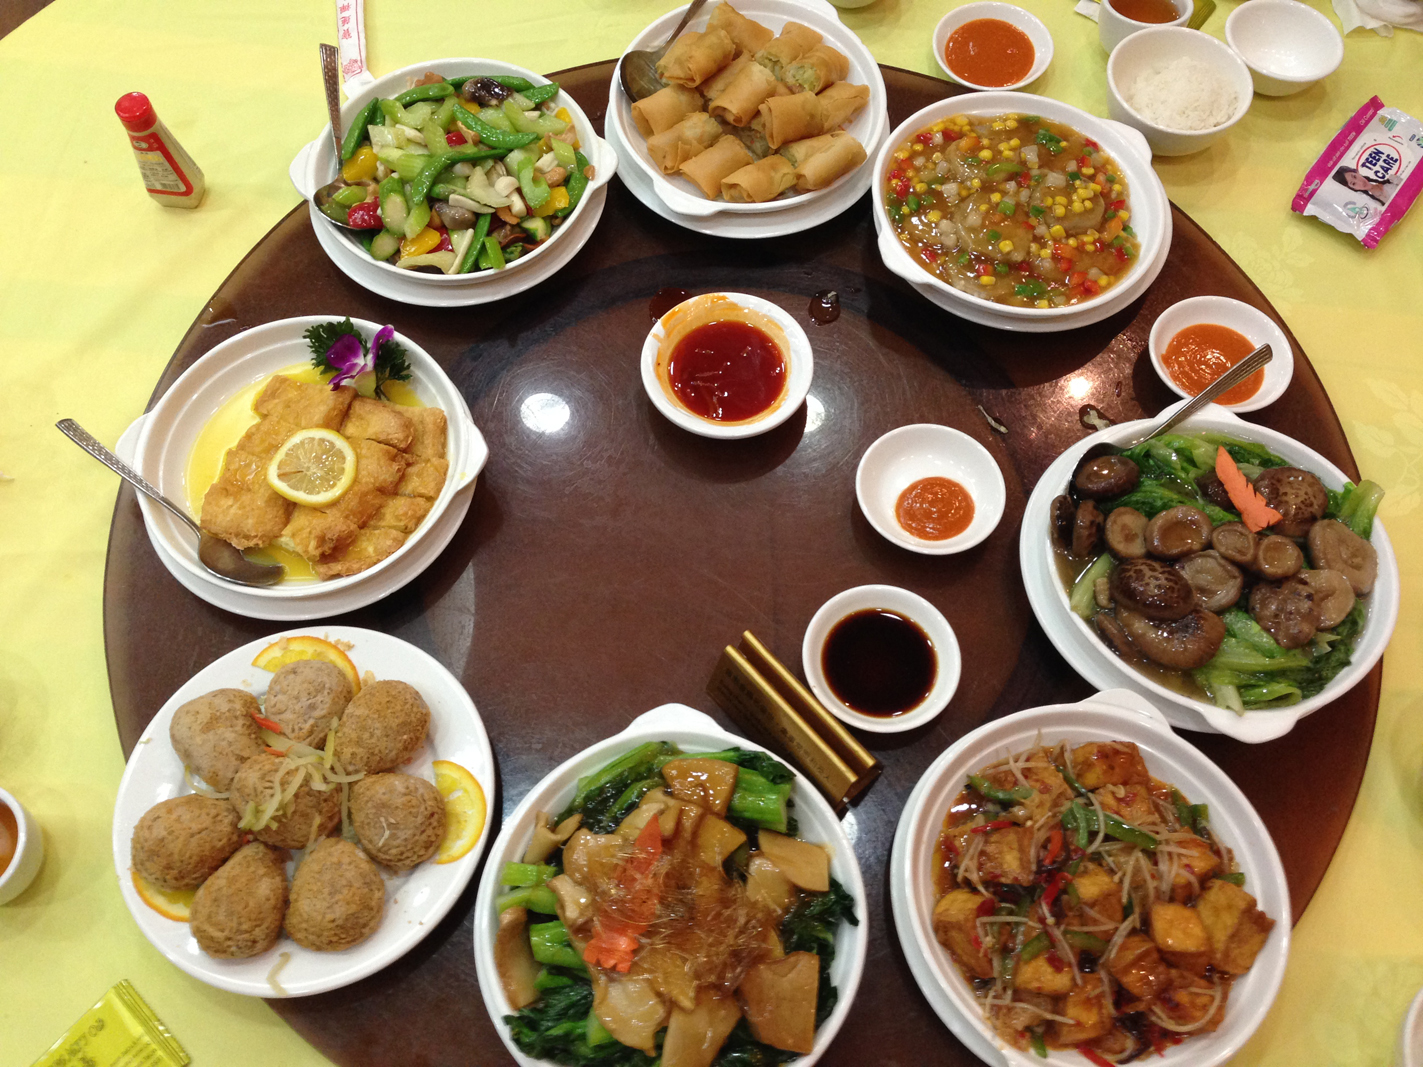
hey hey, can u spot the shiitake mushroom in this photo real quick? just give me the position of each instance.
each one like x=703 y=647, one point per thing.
x=1299 y=497
x=1333 y=596
x=1152 y=588
x=1213 y=489
x=1106 y=477
x=1277 y=558
x=1333 y=546
x=1183 y=644
x=1086 y=529
x=1216 y=581
x=1116 y=637
x=1285 y=611
x=1064 y=513
x=1236 y=542
x=1178 y=532
x=1126 y=533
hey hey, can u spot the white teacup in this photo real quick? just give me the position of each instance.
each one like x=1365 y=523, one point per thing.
x=29 y=852
x=1113 y=27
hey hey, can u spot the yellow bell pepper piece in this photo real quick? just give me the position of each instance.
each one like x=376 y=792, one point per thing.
x=563 y=114
x=557 y=200
x=361 y=167
x=422 y=242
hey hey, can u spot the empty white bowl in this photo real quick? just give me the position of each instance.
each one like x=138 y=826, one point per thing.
x=1288 y=46
x=926 y=450
x=29 y=851
x=1239 y=316
x=800 y=367
x=1409 y=1052
x=1157 y=46
x=1012 y=14
x=1113 y=27
x=902 y=602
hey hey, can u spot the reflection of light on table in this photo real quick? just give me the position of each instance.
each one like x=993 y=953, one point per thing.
x=814 y=414
x=1078 y=388
x=850 y=826
x=544 y=413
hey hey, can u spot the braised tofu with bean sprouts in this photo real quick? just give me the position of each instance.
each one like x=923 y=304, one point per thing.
x=1090 y=905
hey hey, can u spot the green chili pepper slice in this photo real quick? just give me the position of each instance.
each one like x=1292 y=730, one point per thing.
x=996 y=170
x=1234 y=878
x=1124 y=831
x=1035 y=947
x=1082 y=939
x=1039 y=1046
x=1002 y=796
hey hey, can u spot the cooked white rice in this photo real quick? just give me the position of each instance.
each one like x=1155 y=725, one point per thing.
x=1184 y=94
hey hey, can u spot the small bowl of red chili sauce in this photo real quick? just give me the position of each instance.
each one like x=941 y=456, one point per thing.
x=1194 y=342
x=930 y=488
x=992 y=45
x=727 y=365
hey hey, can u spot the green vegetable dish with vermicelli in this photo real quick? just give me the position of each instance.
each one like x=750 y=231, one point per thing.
x=1218 y=569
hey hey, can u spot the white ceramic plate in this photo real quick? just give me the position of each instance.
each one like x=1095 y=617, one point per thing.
x=166 y=436
x=1119 y=716
x=1012 y=14
x=1252 y=323
x=1091 y=658
x=416 y=900
x=693 y=732
x=684 y=201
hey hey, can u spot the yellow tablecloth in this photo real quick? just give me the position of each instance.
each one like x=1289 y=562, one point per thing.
x=98 y=284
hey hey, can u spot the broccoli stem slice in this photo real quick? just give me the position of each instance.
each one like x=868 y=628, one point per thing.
x=757 y=800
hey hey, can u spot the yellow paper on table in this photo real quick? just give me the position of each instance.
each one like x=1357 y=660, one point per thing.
x=119 y=1031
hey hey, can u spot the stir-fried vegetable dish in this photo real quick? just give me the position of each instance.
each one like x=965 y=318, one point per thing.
x=460 y=175
x=1218 y=569
x=1013 y=209
x=670 y=915
x=1090 y=905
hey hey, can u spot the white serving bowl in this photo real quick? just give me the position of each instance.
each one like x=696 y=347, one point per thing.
x=1159 y=45
x=1113 y=27
x=1248 y=321
x=927 y=450
x=315 y=165
x=868 y=127
x=29 y=851
x=1118 y=716
x=694 y=732
x=1089 y=655
x=1150 y=214
x=800 y=368
x=1409 y=1051
x=172 y=427
x=1012 y=14
x=1288 y=46
x=902 y=602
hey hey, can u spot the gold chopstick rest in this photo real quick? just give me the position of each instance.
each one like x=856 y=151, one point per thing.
x=754 y=688
x=120 y=1029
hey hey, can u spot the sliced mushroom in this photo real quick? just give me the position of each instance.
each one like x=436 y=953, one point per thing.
x=1184 y=644
x=514 y=959
x=1102 y=593
x=1236 y=542
x=1126 y=533
x=1285 y=611
x=1213 y=489
x=1333 y=546
x=1116 y=638
x=1333 y=596
x=485 y=91
x=454 y=217
x=1297 y=495
x=1106 y=477
x=1064 y=512
x=1152 y=588
x=1086 y=529
x=1218 y=582
x=1277 y=558
x=1178 y=532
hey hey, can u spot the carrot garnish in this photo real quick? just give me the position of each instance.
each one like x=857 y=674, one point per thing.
x=1255 y=512
x=273 y=751
x=623 y=919
x=1054 y=846
x=267 y=724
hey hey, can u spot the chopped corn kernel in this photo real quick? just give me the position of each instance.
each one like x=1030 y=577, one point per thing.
x=999 y=126
x=1117 y=188
x=1015 y=143
x=1096 y=188
x=902 y=154
x=986 y=154
x=963 y=190
x=1042 y=304
x=1005 y=246
x=1003 y=146
x=995 y=197
x=1058 y=231
x=985 y=279
x=1124 y=214
x=936 y=216
x=1012 y=124
x=1078 y=207
x=977 y=184
x=1106 y=281
x=1059 y=210
x=1072 y=242
x=1089 y=171
x=918 y=147
x=921 y=187
x=1060 y=200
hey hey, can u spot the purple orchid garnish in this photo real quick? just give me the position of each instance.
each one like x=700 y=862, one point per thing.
x=349 y=357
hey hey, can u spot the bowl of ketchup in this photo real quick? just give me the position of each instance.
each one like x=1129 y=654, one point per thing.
x=991 y=45
x=1195 y=341
x=727 y=365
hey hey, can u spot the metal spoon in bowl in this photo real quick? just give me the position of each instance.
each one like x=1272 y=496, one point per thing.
x=216 y=554
x=638 y=70
x=331 y=83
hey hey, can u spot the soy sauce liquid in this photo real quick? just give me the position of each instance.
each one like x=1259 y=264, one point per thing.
x=879 y=663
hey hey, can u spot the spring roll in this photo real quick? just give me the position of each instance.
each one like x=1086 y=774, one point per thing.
x=690 y=137
x=792 y=118
x=842 y=155
x=799 y=151
x=748 y=34
x=737 y=103
x=794 y=41
x=759 y=182
x=753 y=136
x=820 y=67
x=713 y=86
x=695 y=57
x=665 y=108
x=842 y=102
x=721 y=159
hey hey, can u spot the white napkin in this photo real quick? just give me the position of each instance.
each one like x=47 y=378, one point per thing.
x=1381 y=16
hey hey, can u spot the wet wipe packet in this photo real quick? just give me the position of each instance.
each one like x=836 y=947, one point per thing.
x=119 y=1031
x=1369 y=175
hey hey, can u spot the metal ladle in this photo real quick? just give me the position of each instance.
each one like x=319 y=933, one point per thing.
x=638 y=70
x=216 y=554
x=330 y=81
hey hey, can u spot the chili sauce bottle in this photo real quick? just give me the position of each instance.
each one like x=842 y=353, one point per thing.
x=169 y=173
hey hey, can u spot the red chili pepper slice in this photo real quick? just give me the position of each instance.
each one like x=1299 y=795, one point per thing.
x=1091 y=288
x=1054 y=846
x=996 y=824
x=365 y=216
x=444 y=245
x=1100 y=1061
x=1054 y=887
x=454 y=138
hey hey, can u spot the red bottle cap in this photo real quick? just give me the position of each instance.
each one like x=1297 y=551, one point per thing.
x=135 y=112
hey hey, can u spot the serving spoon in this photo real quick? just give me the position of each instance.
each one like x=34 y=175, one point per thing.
x=331 y=83
x=638 y=70
x=216 y=554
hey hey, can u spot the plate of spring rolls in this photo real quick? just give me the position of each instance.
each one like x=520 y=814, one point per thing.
x=767 y=107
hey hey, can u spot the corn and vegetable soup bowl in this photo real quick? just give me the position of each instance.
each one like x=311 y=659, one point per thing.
x=1020 y=212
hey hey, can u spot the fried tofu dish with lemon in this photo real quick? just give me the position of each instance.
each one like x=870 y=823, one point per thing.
x=1090 y=905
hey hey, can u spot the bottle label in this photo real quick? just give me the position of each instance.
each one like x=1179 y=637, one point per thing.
x=161 y=173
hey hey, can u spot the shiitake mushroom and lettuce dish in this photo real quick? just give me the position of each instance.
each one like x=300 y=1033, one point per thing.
x=1216 y=568
x=1090 y=905
x=670 y=915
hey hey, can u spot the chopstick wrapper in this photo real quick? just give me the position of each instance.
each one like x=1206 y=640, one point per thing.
x=757 y=690
x=119 y=1031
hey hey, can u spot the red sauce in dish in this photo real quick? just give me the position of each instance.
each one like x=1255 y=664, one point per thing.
x=729 y=371
x=991 y=52
x=1199 y=354
x=1156 y=11
x=934 y=509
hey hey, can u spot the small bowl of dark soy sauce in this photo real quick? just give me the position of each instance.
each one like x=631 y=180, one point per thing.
x=881 y=658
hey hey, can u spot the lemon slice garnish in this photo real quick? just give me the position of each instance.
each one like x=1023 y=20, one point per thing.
x=313 y=467
x=464 y=810
x=286 y=650
x=170 y=903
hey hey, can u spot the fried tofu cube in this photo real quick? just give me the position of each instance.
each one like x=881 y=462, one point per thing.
x=1130 y=803
x=303 y=404
x=1096 y=889
x=378 y=466
x=1181 y=936
x=1190 y=998
x=1045 y=973
x=367 y=549
x=1197 y=864
x=1138 y=966
x=1100 y=763
x=244 y=517
x=312 y=533
x=377 y=420
x=424 y=478
x=956 y=928
x=1090 y=1014
x=430 y=432
x=262 y=439
x=1236 y=926
x=1006 y=856
x=403 y=513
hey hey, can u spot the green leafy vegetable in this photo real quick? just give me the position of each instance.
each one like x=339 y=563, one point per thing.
x=555 y=1028
x=810 y=926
